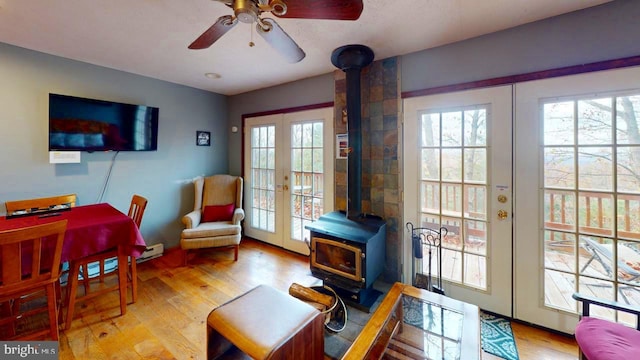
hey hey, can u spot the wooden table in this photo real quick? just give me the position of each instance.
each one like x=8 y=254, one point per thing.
x=412 y=323
x=91 y=229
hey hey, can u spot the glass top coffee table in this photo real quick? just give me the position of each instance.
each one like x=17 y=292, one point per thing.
x=412 y=323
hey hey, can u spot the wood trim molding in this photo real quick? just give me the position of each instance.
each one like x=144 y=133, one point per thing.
x=287 y=110
x=537 y=75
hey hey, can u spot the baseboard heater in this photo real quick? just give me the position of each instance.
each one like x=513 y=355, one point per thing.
x=151 y=252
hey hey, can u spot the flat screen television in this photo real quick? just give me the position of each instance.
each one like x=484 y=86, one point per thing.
x=80 y=124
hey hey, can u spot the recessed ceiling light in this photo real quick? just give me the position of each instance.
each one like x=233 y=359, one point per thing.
x=211 y=75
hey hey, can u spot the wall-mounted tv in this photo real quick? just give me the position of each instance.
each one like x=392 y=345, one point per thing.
x=79 y=124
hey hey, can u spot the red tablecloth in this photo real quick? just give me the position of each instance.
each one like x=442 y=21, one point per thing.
x=90 y=229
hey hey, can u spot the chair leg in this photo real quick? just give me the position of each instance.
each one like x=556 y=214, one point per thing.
x=102 y=270
x=84 y=270
x=52 y=306
x=72 y=290
x=60 y=298
x=123 y=269
x=235 y=249
x=186 y=256
x=8 y=310
x=134 y=279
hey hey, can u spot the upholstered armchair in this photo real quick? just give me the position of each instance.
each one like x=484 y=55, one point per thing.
x=216 y=216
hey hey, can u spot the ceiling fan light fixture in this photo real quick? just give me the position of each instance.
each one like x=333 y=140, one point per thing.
x=212 y=75
x=246 y=11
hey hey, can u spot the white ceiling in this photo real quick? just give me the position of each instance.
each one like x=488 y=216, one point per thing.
x=150 y=37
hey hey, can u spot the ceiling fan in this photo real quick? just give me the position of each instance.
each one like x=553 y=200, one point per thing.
x=250 y=11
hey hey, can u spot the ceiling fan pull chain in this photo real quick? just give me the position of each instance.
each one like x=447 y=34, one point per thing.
x=251 y=43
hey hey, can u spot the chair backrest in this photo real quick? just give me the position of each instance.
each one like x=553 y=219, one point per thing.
x=30 y=256
x=40 y=203
x=218 y=190
x=136 y=209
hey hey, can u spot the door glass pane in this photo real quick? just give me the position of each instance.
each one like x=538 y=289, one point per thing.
x=307 y=179
x=559 y=169
x=453 y=190
x=560 y=251
x=475 y=201
x=591 y=200
x=431 y=164
x=475 y=127
x=558 y=123
x=451 y=164
x=263 y=173
x=627 y=115
x=560 y=212
x=475 y=169
x=628 y=165
x=595 y=169
x=628 y=216
x=595 y=122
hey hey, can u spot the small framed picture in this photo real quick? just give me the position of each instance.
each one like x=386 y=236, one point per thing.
x=342 y=146
x=203 y=138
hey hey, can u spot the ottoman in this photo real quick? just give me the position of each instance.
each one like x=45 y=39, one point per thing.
x=265 y=323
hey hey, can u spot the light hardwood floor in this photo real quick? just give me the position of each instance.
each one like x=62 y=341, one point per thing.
x=169 y=319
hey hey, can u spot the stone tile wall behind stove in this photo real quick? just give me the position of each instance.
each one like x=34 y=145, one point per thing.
x=381 y=175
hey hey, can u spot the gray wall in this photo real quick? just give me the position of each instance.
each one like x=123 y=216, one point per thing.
x=162 y=176
x=605 y=32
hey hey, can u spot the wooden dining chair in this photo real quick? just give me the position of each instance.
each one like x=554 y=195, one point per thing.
x=79 y=270
x=31 y=266
x=136 y=211
x=51 y=202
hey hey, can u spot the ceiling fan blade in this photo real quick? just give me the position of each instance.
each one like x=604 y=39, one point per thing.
x=281 y=41
x=326 y=9
x=219 y=28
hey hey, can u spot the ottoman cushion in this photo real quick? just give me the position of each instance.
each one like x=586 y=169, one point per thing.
x=261 y=320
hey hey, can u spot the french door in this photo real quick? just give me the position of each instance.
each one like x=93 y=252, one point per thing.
x=577 y=181
x=457 y=174
x=288 y=175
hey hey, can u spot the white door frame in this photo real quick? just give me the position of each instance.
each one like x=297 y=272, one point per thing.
x=498 y=297
x=282 y=122
x=528 y=221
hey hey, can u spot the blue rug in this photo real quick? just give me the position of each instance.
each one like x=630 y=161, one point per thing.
x=497 y=336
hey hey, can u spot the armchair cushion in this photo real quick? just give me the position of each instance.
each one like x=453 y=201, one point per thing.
x=211 y=229
x=218 y=212
x=602 y=339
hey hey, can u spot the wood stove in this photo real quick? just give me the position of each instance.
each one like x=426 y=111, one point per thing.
x=348 y=248
x=348 y=255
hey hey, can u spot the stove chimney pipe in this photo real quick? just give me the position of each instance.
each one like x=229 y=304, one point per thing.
x=351 y=59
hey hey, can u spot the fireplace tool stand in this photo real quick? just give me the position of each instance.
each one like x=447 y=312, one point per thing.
x=427 y=242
